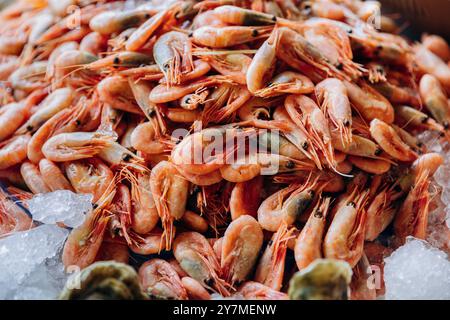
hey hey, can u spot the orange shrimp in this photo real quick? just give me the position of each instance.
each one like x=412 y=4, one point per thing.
x=308 y=246
x=240 y=248
x=170 y=192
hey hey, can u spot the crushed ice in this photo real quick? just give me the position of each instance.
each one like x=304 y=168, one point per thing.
x=60 y=206
x=417 y=271
x=30 y=263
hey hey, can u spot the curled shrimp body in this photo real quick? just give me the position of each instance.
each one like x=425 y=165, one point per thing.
x=374 y=166
x=197 y=258
x=412 y=216
x=74 y=146
x=30 y=77
x=51 y=105
x=110 y=22
x=194 y=222
x=304 y=111
x=12 y=217
x=116 y=92
x=390 y=142
x=243 y=17
x=141 y=35
x=308 y=245
x=84 y=242
x=194 y=289
x=240 y=248
x=359 y=146
x=297 y=133
x=287 y=82
x=369 y=102
x=297 y=52
x=224 y=102
x=53 y=176
x=410 y=117
x=221 y=37
x=246 y=197
x=435 y=99
x=91 y=176
x=270 y=270
x=344 y=239
x=380 y=212
x=144 y=215
x=437 y=45
x=173 y=54
x=159 y=280
x=257 y=291
x=146 y=138
x=332 y=95
x=285 y=206
x=429 y=161
x=249 y=167
x=261 y=68
x=162 y=94
x=429 y=63
x=12 y=117
x=13 y=151
x=94 y=43
x=170 y=191
x=33 y=178
x=232 y=65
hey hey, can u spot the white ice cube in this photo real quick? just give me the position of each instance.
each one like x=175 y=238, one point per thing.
x=30 y=263
x=60 y=206
x=417 y=271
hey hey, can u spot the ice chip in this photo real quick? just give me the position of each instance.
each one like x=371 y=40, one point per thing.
x=60 y=206
x=417 y=271
x=431 y=140
x=30 y=263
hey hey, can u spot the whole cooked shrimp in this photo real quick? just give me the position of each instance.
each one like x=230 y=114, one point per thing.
x=170 y=192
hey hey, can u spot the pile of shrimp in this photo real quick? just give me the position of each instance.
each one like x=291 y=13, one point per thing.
x=93 y=94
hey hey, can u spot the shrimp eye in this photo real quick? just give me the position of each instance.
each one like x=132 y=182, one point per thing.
x=147 y=16
x=318 y=214
x=209 y=282
x=378 y=152
x=446 y=125
x=424 y=119
x=94 y=206
x=347 y=123
x=274 y=18
x=290 y=164
x=270 y=243
x=311 y=193
x=190 y=34
x=419 y=144
x=30 y=128
x=340 y=66
x=352 y=204
x=77 y=123
x=255 y=33
x=166 y=66
x=305 y=145
x=349 y=31
x=151 y=113
x=126 y=157
x=125 y=38
x=116 y=60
